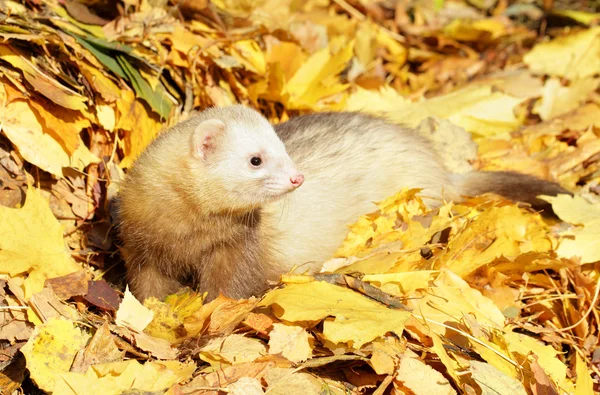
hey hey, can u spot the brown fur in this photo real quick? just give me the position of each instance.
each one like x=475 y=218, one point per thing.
x=514 y=186
x=181 y=231
x=176 y=232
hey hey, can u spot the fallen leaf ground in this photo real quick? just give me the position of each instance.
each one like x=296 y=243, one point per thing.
x=482 y=297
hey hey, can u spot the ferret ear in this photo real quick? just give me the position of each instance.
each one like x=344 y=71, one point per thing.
x=203 y=138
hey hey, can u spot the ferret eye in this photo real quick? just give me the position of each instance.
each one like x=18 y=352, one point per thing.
x=255 y=161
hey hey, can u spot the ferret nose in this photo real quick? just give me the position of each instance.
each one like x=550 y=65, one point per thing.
x=297 y=180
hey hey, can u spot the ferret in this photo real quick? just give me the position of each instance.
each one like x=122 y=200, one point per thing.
x=225 y=202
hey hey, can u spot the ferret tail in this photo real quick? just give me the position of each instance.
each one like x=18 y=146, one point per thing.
x=514 y=186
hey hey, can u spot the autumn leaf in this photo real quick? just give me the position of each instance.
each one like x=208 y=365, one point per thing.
x=291 y=341
x=420 y=378
x=357 y=320
x=492 y=381
x=472 y=296
x=314 y=80
x=140 y=126
x=22 y=128
x=132 y=313
x=582 y=241
x=51 y=351
x=232 y=349
x=31 y=244
x=125 y=376
x=572 y=56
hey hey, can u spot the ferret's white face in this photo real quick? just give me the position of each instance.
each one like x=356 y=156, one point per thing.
x=257 y=168
x=247 y=163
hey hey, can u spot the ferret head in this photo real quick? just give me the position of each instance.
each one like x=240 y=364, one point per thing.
x=238 y=159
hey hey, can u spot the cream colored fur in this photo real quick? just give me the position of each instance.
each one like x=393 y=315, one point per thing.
x=211 y=226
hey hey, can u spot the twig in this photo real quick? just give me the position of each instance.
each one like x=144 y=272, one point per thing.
x=584 y=316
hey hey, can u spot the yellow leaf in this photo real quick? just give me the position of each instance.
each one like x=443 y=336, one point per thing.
x=452 y=367
x=169 y=315
x=31 y=242
x=288 y=55
x=584 y=384
x=282 y=381
x=249 y=54
x=386 y=353
x=62 y=124
x=126 y=376
x=480 y=109
x=573 y=56
x=44 y=84
x=317 y=77
x=51 y=351
x=379 y=102
x=585 y=245
x=583 y=242
x=156 y=347
x=273 y=14
x=141 y=125
x=557 y=99
x=92 y=29
x=290 y=341
x=184 y=41
x=420 y=379
x=523 y=345
x=493 y=381
x=106 y=116
x=475 y=31
x=586 y=18
x=449 y=298
x=82 y=157
x=22 y=128
x=357 y=319
x=499 y=231
x=132 y=313
x=106 y=88
x=574 y=209
x=398 y=54
x=366 y=46
x=400 y=283
x=246 y=386
x=372 y=230
x=232 y=349
x=100 y=349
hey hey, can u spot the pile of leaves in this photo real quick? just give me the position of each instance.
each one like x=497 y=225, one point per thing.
x=479 y=297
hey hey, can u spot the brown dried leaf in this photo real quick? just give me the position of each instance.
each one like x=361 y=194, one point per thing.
x=46 y=306
x=101 y=295
x=542 y=384
x=159 y=348
x=12 y=375
x=229 y=375
x=73 y=284
x=13 y=328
